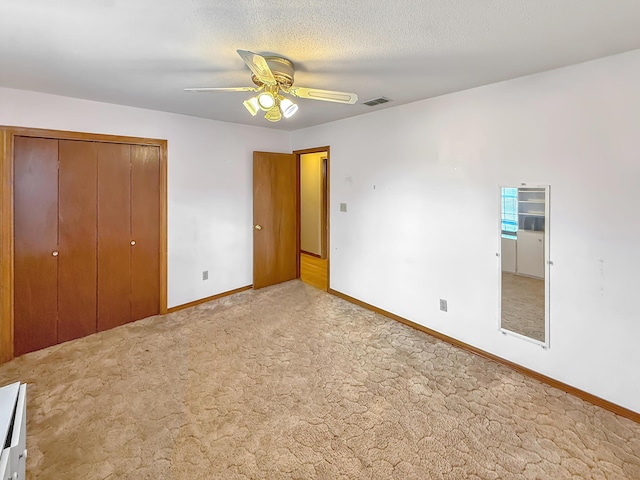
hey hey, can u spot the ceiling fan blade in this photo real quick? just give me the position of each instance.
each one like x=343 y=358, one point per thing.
x=258 y=66
x=325 y=95
x=222 y=89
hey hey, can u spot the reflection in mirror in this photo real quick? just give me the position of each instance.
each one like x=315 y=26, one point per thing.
x=524 y=247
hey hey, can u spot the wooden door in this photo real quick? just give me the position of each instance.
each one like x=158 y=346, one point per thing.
x=77 y=242
x=114 y=235
x=36 y=240
x=145 y=231
x=275 y=218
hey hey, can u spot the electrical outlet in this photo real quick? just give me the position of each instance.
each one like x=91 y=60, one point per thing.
x=205 y=275
x=343 y=207
x=443 y=305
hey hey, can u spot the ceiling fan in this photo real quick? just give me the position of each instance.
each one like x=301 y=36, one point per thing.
x=273 y=76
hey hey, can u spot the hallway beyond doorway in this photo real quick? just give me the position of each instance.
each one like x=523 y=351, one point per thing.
x=313 y=271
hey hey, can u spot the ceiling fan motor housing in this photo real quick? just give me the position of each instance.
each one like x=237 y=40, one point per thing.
x=282 y=70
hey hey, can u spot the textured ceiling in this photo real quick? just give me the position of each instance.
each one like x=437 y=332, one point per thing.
x=144 y=52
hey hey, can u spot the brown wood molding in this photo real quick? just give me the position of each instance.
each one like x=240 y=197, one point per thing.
x=69 y=135
x=6 y=246
x=7 y=135
x=310 y=254
x=298 y=213
x=327 y=220
x=164 y=227
x=313 y=150
x=324 y=210
x=208 y=299
x=588 y=397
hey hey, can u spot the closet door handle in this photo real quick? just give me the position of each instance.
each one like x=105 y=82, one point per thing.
x=55 y=253
x=133 y=242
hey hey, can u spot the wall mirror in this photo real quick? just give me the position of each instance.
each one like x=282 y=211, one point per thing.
x=524 y=262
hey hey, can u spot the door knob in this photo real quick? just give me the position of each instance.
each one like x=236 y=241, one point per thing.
x=133 y=242
x=258 y=227
x=55 y=253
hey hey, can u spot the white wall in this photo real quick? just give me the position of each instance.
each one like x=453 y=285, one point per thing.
x=209 y=181
x=311 y=202
x=421 y=184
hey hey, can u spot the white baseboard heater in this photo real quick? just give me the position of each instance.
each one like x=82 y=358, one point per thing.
x=13 y=431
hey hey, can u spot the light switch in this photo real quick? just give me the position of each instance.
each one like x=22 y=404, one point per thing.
x=343 y=207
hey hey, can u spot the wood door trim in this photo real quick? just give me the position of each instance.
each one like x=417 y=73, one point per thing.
x=576 y=392
x=326 y=205
x=6 y=246
x=70 y=135
x=7 y=135
x=324 y=210
x=311 y=254
x=298 y=216
x=163 y=225
x=312 y=150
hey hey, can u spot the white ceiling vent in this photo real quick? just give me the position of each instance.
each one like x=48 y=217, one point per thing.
x=377 y=101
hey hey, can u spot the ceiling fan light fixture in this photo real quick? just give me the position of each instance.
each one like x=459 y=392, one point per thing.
x=273 y=76
x=288 y=108
x=273 y=115
x=266 y=101
x=252 y=105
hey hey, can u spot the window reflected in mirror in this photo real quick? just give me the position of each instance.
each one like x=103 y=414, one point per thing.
x=523 y=255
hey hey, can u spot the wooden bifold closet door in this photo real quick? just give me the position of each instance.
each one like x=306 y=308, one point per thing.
x=77 y=174
x=145 y=231
x=114 y=225
x=87 y=238
x=35 y=244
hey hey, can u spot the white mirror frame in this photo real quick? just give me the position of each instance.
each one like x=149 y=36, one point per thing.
x=547 y=266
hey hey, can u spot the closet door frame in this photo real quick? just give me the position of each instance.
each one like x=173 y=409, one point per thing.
x=7 y=135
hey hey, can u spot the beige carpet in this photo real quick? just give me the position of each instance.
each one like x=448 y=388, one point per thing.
x=523 y=305
x=291 y=382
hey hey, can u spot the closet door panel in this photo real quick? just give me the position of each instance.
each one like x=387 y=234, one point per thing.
x=77 y=239
x=145 y=226
x=114 y=236
x=36 y=239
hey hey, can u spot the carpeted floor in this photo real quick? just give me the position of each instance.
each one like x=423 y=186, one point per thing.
x=291 y=382
x=523 y=305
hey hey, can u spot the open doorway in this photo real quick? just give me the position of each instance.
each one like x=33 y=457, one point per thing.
x=314 y=217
